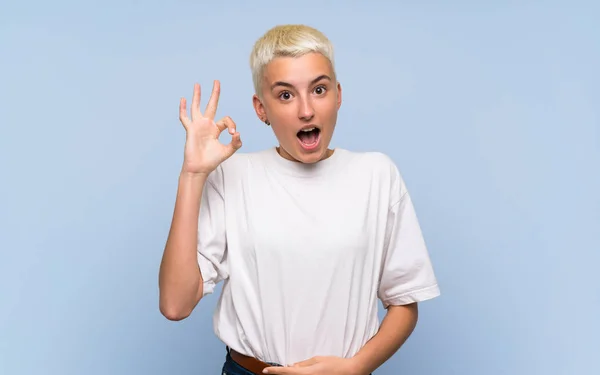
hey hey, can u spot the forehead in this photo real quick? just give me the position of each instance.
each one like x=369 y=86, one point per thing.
x=297 y=70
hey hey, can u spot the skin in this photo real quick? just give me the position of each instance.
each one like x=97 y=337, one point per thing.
x=180 y=280
x=297 y=92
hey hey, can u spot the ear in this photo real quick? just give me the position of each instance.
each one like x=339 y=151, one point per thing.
x=259 y=108
x=339 y=95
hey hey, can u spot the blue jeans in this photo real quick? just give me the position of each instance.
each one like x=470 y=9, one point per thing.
x=232 y=368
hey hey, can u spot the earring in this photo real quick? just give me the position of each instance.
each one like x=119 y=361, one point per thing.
x=267 y=122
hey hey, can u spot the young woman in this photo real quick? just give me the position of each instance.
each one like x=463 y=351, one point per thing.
x=306 y=239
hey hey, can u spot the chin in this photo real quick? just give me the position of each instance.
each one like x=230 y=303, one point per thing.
x=309 y=157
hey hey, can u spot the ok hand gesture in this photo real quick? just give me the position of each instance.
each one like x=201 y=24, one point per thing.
x=203 y=152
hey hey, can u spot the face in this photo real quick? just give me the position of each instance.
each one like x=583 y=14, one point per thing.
x=300 y=99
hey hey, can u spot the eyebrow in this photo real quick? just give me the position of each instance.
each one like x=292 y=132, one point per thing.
x=286 y=84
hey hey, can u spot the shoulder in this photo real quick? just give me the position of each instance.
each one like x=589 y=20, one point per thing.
x=240 y=161
x=380 y=168
x=374 y=162
x=237 y=165
x=372 y=159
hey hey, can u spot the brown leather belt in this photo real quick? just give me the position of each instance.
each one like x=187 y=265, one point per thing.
x=249 y=363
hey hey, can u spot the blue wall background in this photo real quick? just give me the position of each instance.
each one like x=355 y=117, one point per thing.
x=490 y=110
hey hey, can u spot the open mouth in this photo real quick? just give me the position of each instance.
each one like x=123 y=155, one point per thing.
x=309 y=137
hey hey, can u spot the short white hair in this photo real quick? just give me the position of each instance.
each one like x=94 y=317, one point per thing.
x=287 y=41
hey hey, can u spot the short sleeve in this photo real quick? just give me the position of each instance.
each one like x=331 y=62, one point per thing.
x=212 y=244
x=407 y=274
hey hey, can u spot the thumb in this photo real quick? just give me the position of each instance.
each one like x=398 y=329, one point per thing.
x=235 y=144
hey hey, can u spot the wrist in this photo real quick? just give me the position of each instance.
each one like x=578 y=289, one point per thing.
x=192 y=182
x=356 y=367
x=193 y=175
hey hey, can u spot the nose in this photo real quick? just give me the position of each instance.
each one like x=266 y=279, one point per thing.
x=305 y=110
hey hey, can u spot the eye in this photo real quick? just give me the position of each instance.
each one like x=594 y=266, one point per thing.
x=285 y=95
x=320 y=90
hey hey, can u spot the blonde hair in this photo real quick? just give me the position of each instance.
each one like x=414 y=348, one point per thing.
x=287 y=41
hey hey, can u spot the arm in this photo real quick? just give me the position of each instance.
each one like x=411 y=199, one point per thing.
x=180 y=280
x=398 y=324
x=407 y=278
x=396 y=327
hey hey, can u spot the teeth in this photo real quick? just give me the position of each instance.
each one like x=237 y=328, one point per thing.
x=308 y=130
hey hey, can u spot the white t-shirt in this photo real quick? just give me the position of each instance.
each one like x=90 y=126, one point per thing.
x=305 y=251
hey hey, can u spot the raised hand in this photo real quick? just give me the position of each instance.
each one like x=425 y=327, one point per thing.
x=203 y=151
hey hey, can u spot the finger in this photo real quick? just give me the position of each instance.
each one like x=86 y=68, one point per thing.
x=235 y=144
x=195 y=110
x=213 y=102
x=307 y=362
x=276 y=370
x=183 y=113
x=226 y=123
